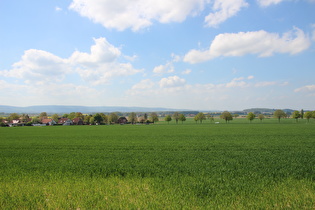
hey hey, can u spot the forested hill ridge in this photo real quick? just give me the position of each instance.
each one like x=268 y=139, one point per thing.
x=83 y=109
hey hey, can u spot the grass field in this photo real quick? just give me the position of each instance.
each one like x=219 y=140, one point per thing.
x=238 y=165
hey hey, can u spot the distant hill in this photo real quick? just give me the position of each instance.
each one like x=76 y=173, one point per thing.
x=83 y=109
x=265 y=110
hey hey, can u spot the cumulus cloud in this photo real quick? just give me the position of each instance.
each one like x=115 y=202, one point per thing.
x=260 y=43
x=101 y=52
x=163 y=69
x=144 y=84
x=187 y=71
x=307 y=88
x=266 y=3
x=58 y=9
x=39 y=67
x=173 y=81
x=264 y=84
x=96 y=67
x=101 y=65
x=139 y=14
x=224 y=9
x=136 y=14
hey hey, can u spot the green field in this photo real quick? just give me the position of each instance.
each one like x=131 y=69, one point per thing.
x=239 y=165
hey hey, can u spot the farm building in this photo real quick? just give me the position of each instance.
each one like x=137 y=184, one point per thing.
x=48 y=122
x=65 y=121
x=77 y=121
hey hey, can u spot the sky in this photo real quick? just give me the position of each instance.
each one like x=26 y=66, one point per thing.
x=192 y=54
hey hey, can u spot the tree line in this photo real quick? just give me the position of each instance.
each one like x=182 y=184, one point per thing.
x=112 y=118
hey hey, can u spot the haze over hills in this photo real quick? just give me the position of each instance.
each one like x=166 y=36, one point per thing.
x=94 y=109
x=83 y=109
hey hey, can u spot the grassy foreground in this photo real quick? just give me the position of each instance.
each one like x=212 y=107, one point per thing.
x=215 y=166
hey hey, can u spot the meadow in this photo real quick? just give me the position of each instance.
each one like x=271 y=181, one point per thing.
x=238 y=165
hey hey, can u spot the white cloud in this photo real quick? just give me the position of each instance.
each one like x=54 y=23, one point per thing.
x=224 y=9
x=97 y=67
x=131 y=58
x=168 y=67
x=139 y=14
x=264 y=84
x=163 y=69
x=176 y=58
x=58 y=9
x=173 y=81
x=266 y=3
x=101 y=65
x=187 y=71
x=39 y=66
x=101 y=52
x=261 y=43
x=144 y=84
x=237 y=82
x=136 y=14
x=307 y=88
x=173 y=92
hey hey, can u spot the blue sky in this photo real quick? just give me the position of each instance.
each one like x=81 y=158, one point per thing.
x=194 y=54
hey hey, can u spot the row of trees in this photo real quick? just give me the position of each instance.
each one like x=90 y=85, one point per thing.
x=281 y=114
x=181 y=117
x=133 y=118
x=112 y=118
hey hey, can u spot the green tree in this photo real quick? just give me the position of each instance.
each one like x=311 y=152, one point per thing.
x=236 y=115
x=79 y=115
x=154 y=117
x=226 y=116
x=308 y=116
x=35 y=120
x=86 y=119
x=13 y=116
x=145 y=116
x=98 y=118
x=279 y=114
x=261 y=117
x=55 y=117
x=176 y=117
x=25 y=118
x=71 y=116
x=65 y=115
x=168 y=118
x=196 y=118
x=132 y=117
x=250 y=116
x=201 y=116
x=92 y=121
x=210 y=117
x=2 y=124
x=43 y=115
x=302 y=113
x=296 y=115
x=113 y=117
x=182 y=118
x=105 y=118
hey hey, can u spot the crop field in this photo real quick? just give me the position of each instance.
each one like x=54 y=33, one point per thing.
x=238 y=165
